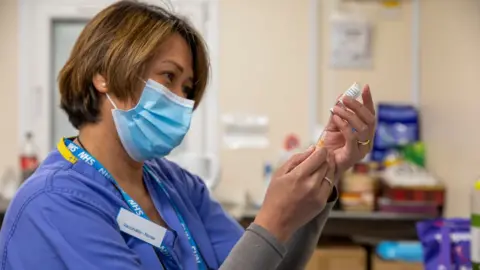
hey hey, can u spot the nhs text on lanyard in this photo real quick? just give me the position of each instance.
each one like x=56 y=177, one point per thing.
x=168 y=260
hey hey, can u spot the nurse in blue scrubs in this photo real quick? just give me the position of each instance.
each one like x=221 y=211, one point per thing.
x=107 y=199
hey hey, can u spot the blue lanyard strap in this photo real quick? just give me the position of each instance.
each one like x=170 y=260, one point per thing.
x=72 y=152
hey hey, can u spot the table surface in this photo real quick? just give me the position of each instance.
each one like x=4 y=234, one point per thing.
x=376 y=226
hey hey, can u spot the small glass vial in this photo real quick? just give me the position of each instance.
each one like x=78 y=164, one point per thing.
x=354 y=92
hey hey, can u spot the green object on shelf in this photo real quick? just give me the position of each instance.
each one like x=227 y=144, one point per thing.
x=414 y=153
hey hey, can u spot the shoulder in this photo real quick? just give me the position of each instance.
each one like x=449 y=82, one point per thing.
x=64 y=216
x=56 y=187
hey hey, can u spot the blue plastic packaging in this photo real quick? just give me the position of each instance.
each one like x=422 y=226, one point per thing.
x=446 y=243
x=400 y=251
x=398 y=125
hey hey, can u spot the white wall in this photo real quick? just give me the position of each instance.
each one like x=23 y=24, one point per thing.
x=449 y=69
x=8 y=85
x=390 y=77
x=263 y=70
x=450 y=95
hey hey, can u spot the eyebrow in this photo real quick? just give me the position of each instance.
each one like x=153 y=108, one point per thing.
x=175 y=64
x=179 y=67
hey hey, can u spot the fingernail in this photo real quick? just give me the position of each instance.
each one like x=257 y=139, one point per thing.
x=367 y=88
x=331 y=110
x=310 y=148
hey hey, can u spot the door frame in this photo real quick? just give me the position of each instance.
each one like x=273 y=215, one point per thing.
x=35 y=68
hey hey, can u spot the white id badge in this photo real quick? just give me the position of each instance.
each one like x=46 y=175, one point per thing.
x=140 y=228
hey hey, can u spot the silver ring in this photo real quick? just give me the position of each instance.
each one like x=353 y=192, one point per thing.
x=330 y=182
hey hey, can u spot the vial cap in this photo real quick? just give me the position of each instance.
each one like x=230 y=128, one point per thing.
x=354 y=91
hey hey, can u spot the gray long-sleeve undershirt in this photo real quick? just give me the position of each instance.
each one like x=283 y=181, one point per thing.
x=260 y=250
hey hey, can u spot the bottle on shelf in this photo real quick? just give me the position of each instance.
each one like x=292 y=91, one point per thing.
x=28 y=157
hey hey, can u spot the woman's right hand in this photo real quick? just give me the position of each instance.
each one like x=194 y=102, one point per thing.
x=298 y=192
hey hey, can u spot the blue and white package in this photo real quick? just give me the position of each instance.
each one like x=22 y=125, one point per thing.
x=398 y=125
x=446 y=243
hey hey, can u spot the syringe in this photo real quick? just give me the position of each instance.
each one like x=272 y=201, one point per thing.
x=353 y=92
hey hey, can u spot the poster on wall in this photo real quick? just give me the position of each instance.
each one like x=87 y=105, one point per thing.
x=350 y=43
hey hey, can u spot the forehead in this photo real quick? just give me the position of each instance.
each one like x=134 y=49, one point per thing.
x=175 y=48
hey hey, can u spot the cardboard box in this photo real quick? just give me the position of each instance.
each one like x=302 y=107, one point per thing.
x=338 y=258
x=379 y=264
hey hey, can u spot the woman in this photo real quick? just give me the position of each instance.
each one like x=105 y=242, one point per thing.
x=106 y=199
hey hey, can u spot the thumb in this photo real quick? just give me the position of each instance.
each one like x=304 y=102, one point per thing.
x=295 y=160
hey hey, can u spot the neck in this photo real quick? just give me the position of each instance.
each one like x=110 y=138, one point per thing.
x=106 y=147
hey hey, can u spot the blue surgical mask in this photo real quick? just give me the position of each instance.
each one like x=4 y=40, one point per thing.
x=156 y=125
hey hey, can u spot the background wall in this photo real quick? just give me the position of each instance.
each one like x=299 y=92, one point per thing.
x=390 y=77
x=264 y=55
x=263 y=70
x=450 y=42
x=8 y=85
x=450 y=54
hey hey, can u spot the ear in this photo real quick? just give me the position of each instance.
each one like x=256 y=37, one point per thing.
x=100 y=83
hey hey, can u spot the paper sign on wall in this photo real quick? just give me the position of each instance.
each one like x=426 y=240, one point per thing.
x=245 y=131
x=350 y=43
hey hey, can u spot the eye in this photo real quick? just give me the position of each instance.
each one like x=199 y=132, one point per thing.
x=170 y=76
x=188 y=92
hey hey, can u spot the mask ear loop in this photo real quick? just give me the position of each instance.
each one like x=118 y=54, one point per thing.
x=111 y=101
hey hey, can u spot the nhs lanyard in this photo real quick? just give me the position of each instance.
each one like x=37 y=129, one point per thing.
x=169 y=262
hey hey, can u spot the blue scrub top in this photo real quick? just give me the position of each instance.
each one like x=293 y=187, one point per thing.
x=64 y=217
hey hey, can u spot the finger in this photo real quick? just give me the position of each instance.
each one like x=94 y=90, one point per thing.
x=347 y=132
x=338 y=98
x=360 y=110
x=330 y=125
x=295 y=160
x=367 y=99
x=355 y=121
x=331 y=168
x=312 y=163
x=318 y=175
x=326 y=182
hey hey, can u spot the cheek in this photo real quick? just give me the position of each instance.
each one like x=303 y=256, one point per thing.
x=179 y=91
x=174 y=87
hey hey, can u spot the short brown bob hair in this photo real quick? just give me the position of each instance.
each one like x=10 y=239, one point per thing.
x=118 y=43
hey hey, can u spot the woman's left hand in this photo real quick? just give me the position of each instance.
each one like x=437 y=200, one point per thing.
x=350 y=132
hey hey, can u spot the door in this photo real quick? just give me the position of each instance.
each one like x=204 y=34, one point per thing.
x=64 y=35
